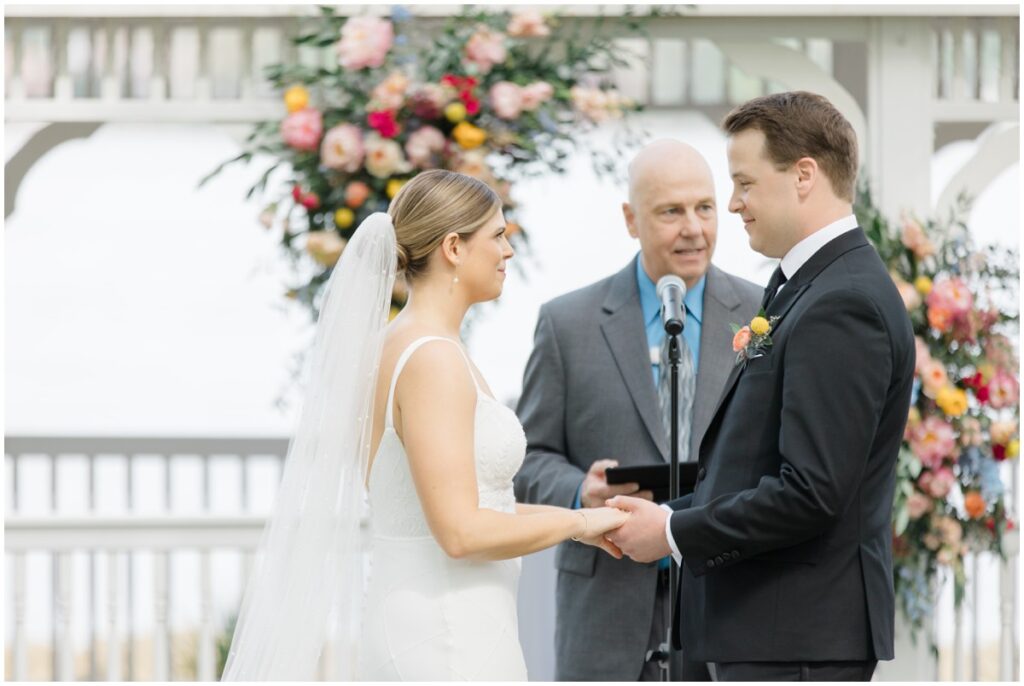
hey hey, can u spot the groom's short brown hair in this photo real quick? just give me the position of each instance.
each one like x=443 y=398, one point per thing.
x=800 y=124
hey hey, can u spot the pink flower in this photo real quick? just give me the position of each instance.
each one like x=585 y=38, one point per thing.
x=365 y=42
x=913 y=237
x=423 y=144
x=302 y=129
x=596 y=104
x=937 y=483
x=999 y=351
x=389 y=93
x=741 y=340
x=932 y=441
x=923 y=355
x=536 y=93
x=911 y=298
x=1004 y=390
x=485 y=48
x=950 y=530
x=528 y=24
x=951 y=294
x=384 y=157
x=933 y=378
x=506 y=99
x=342 y=148
x=918 y=504
x=970 y=432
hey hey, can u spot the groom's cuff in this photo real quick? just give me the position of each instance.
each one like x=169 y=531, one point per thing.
x=676 y=555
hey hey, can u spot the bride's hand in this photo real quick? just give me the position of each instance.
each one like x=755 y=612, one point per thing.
x=597 y=522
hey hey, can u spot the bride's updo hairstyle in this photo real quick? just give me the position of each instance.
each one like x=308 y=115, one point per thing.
x=432 y=205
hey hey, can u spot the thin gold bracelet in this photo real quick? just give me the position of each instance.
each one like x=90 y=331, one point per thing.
x=585 y=525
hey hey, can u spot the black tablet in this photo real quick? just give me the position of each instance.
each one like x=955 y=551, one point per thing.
x=654 y=477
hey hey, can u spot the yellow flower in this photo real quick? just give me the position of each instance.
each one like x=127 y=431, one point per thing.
x=394 y=185
x=296 y=98
x=952 y=401
x=1013 y=448
x=760 y=326
x=469 y=136
x=455 y=112
x=344 y=217
x=923 y=285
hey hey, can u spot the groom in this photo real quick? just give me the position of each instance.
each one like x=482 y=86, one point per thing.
x=786 y=543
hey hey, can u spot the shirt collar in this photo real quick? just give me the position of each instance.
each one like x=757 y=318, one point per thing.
x=805 y=249
x=650 y=305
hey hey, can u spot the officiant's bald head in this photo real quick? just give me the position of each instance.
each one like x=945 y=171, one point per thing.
x=672 y=210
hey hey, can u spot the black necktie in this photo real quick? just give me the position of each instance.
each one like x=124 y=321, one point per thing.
x=774 y=283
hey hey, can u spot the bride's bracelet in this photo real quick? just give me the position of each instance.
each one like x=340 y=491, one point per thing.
x=585 y=525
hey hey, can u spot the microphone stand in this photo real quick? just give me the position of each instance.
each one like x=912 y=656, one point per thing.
x=667 y=651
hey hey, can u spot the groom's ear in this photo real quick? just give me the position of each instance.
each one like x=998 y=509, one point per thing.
x=807 y=174
x=627 y=214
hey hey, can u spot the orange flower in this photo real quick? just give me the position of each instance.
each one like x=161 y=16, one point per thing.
x=741 y=339
x=974 y=504
x=940 y=318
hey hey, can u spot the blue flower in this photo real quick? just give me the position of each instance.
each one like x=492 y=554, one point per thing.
x=915 y=391
x=399 y=13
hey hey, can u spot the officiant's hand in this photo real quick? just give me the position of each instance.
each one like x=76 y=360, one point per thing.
x=642 y=536
x=598 y=522
x=596 y=488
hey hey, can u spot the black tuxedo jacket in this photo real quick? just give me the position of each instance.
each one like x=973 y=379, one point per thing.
x=787 y=538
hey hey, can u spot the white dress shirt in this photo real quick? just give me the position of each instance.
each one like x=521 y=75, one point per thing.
x=793 y=260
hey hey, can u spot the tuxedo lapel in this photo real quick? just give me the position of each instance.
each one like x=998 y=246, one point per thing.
x=791 y=293
x=624 y=332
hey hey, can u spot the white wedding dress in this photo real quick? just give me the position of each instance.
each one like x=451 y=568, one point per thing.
x=428 y=617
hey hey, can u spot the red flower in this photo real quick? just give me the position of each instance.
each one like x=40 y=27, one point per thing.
x=384 y=122
x=999 y=452
x=981 y=394
x=310 y=201
x=297 y=193
x=974 y=381
x=471 y=103
x=990 y=524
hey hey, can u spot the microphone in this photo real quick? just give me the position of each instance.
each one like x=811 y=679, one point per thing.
x=671 y=291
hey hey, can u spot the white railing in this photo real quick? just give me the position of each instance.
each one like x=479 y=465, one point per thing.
x=196 y=65
x=111 y=545
x=112 y=540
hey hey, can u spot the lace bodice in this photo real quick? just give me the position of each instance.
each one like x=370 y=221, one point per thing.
x=499 y=448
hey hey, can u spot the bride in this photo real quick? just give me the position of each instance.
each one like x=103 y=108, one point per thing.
x=398 y=413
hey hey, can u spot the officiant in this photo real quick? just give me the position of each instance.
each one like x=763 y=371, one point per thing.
x=592 y=400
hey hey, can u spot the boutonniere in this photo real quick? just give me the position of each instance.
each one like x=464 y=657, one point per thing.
x=753 y=340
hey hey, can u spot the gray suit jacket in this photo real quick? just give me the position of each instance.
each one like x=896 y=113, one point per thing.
x=588 y=394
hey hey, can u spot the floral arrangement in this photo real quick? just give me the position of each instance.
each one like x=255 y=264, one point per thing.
x=495 y=95
x=964 y=419
x=749 y=342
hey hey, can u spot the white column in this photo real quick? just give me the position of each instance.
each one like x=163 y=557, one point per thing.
x=901 y=82
x=161 y=649
x=113 y=610
x=206 y=665
x=63 y=645
x=19 y=642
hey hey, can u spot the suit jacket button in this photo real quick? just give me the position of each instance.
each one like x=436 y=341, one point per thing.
x=719 y=560
x=701 y=473
x=711 y=563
